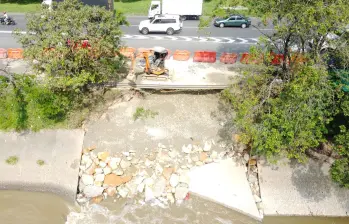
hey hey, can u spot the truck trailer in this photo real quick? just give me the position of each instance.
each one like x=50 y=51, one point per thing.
x=187 y=9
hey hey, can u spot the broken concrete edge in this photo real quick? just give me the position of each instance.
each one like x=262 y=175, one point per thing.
x=55 y=189
x=67 y=191
x=257 y=218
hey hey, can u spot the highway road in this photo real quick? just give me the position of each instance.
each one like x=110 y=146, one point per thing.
x=190 y=38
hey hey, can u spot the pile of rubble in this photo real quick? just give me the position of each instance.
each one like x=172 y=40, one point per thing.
x=159 y=176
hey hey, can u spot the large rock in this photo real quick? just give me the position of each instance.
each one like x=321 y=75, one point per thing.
x=92 y=191
x=91 y=169
x=207 y=146
x=184 y=178
x=113 y=180
x=167 y=172
x=123 y=191
x=181 y=191
x=149 y=195
x=99 y=177
x=125 y=164
x=87 y=179
x=187 y=149
x=174 y=180
x=103 y=156
x=111 y=191
x=159 y=187
x=114 y=163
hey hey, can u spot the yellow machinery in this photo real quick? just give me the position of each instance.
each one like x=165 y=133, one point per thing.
x=154 y=67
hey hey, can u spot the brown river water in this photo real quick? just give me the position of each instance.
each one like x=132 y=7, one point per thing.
x=42 y=208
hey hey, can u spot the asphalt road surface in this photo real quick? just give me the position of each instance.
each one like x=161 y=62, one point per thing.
x=190 y=38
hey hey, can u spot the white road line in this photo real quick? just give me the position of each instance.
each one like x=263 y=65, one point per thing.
x=202 y=39
x=185 y=38
x=262 y=29
x=157 y=37
x=229 y=40
x=140 y=37
x=243 y=41
x=126 y=36
x=172 y=38
x=214 y=39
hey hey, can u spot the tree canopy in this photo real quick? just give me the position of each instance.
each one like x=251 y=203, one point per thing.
x=73 y=44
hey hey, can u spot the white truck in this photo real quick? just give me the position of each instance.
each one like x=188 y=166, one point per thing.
x=187 y=9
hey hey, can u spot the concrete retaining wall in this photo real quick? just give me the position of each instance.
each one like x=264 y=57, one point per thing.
x=59 y=149
x=293 y=189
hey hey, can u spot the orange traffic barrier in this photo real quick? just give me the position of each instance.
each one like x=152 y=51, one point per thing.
x=140 y=52
x=228 y=58
x=277 y=59
x=168 y=54
x=16 y=53
x=181 y=55
x=298 y=58
x=128 y=52
x=3 y=53
x=205 y=56
x=246 y=58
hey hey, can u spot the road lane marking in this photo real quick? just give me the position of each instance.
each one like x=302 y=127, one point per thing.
x=202 y=39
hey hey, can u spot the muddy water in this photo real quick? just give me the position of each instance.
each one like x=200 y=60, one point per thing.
x=41 y=208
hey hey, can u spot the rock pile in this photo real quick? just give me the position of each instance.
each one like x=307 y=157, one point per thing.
x=159 y=177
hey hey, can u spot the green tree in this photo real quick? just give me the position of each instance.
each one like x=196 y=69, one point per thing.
x=283 y=118
x=299 y=25
x=54 y=42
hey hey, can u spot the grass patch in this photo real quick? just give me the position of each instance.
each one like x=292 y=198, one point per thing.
x=12 y=160
x=31 y=106
x=129 y=7
x=40 y=162
x=143 y=114
x=23 y=8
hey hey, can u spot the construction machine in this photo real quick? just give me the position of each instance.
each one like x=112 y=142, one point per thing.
x=154 y=64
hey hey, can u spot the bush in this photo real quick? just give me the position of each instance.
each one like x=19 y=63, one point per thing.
x=29 y=105
x=340 y=172
x=278 y=117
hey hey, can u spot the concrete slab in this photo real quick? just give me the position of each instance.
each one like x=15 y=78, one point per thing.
x=224 y=183
x=195 y=73
x=61 y=151
x=182 y=119
x=15 y=66
x=293 y=189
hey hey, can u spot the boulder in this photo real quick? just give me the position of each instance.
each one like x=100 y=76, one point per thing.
x=113 y=180
x=167 y=172
x=125 y=164
x=111 y=191
x=114 y=163
x=87 y=179
x=174 y=180
x=93 y=191
x=159 y=187
x=123 y=191
x=99 y=177
x=181 y=191
x=103 y=156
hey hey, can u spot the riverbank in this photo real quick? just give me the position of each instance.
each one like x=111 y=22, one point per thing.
x=185 y=131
